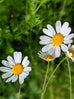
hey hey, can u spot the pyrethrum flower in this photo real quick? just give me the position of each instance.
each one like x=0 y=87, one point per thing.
x=58 y=40
x=14 y=69
x=46 y=56
x=70 y=52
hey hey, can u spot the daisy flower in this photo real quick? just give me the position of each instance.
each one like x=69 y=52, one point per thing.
x=46 y=56
x=70 y=52
x=56 y=40
x=14 y=69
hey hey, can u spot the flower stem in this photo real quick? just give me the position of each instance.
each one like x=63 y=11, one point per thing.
x=45 y=80
x=63 y=7
x=19 y=92
x=37 y=8
x=69 y=78
x=52 y=75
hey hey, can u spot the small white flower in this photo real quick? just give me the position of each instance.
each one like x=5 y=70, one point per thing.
x=58 y=40
x=14 y=69
x=46 y=56
x=70 y=52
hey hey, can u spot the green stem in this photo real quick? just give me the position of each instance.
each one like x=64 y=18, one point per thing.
x=69 y=77
x=45 y=80
x=37 y=8
x=52 y=75
x=64 y=3
x=19 y=92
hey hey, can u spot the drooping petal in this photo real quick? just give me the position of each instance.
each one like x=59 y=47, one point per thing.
x=57 y=51
x=47 y=32
x=58 y=26
x=10 y=78
x=21 y=79
x=64 y=48
x=17 y=57
x=15 y=78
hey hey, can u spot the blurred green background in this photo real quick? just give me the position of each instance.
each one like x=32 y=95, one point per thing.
x=21 y=24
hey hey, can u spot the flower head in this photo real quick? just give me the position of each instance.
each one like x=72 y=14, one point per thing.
x=58 y=40
x=14 y=69
x=70 y=52
x=46 y=56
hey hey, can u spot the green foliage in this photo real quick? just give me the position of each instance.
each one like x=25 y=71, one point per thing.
x=21 y=23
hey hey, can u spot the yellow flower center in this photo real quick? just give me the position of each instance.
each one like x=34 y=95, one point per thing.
x=71 y=51
x=17 y=69
x=47 y=57
x=57 y=39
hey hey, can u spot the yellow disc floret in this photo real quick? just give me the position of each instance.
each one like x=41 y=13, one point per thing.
x=48 y=57
x=17 y=69
x=57 y=39
x=71 y=51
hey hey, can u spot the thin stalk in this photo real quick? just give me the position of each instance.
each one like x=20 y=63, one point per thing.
x=37 y=8
x=69 y=78
x=63 y=7
x=19 y=92
x=45 y=80
x=52 y=75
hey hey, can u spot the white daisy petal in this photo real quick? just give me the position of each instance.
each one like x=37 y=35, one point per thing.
x=24 y=60
x=5 y=69
x=6 y=75
x=70 y=36
x=57 y=51
x=58 y=26
x=64 y=48
x=7 y=64
x=65 y=31
x=17 y=57
x=10 y=60
x=73 y=46
x=44 y=38
x=44 y=42
x=26 y=63
x=51 y=29
x=47 y=32
x=68 y=41
x=65 y=25
x=73 y=59
x=15 y=78
x=9 y=79
x=51 y=50
x=21 y=79
x=47 y=47
x=27 y=69
x=24 y=74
